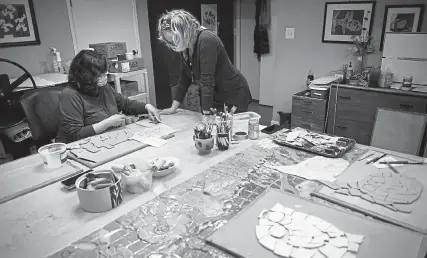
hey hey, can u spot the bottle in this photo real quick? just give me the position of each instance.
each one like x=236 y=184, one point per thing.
x=310 y=77
x=56 y=60
x=349 y=72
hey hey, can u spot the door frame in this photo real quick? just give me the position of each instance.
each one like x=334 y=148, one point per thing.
x=237 y=33
x=73 y=29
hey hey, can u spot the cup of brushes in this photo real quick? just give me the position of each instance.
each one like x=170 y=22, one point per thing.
x=203 y=139
x=224 y=124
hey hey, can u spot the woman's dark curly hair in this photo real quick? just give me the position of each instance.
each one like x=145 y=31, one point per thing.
x=86 y=67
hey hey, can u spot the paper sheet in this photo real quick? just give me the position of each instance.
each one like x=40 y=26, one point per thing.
x=155 y=142
x=316 y=168
x=157 y=131
x=146 y=123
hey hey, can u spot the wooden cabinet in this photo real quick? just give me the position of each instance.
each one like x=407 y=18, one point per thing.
x=352 y=109
x=308 y=113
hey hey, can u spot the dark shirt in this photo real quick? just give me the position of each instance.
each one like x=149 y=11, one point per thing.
x=79 y=111
x=219 y=80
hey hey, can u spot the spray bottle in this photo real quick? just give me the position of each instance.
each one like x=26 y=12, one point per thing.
x=57 y=65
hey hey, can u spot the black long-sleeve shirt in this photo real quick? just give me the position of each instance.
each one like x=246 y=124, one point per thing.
x=79 y=111
x=219 y=80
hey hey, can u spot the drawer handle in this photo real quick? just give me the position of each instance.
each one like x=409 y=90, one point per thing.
x=406 y=106
x=345 y=97
x=341 y=126
x=306 y=125
x=307 y=112
x=307 y=102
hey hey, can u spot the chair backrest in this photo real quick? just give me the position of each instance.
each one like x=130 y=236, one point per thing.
x=41 y=107
x=399 y=131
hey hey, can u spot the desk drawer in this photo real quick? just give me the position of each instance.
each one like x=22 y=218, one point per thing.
x=312 y=109
x=405 y=103
x=355 y=97
x=359 y=131
x=354 y=113
x=314 y=125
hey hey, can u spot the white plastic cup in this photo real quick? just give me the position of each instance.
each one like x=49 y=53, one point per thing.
x=54 y=155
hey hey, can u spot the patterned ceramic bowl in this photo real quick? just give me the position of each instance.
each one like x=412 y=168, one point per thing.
x=204 y=146
x=103 y=199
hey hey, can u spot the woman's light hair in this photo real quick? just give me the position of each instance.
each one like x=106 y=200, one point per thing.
x=182 y=25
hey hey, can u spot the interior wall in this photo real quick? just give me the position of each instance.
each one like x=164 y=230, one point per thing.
x=295 y=57
x=249 y=65
x=54 y=31
x=144 y=38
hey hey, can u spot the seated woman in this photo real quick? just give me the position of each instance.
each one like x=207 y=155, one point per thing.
x=88 y=105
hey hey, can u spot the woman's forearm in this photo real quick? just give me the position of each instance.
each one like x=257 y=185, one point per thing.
x=175 y=105
x=99 y=127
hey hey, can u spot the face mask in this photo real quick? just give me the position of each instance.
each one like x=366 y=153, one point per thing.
x=102 y=80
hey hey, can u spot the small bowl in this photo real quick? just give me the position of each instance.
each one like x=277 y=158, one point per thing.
x=103 y=199
x=204 y=146
x=165 y=172
x=54 y=155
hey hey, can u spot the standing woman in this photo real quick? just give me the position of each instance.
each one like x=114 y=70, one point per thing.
x=204 y=62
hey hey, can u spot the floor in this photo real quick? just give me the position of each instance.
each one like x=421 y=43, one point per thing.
x=266 y=112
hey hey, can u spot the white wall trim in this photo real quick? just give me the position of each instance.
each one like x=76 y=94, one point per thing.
x=71 y=20
x=135 y=21
x=237 y=33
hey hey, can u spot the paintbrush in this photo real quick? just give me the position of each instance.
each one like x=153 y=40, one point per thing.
x=376 y=159
x=406 y=162
x=392 y=168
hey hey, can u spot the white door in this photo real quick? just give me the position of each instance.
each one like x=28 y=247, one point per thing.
x=98 y=21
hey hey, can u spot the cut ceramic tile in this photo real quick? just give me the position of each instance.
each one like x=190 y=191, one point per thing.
x=268 y=242
x=263 y=213
x=318 y=254
x=331 y=185
x=278 y=207
x=262 y=231
x=313 y=220
x=299 y=240
x=331 y=251
x=368 y=198
x=349 y=255
x=299 y=215
x=405 y=208
x=353 y=247
x=382 y=202
x=320 y=238
x=265 y=222
x=353 y=185
x=302 y=253
x=286 y=220
x=343 y=185
x=277 y=231
x=342 y=191
x=283 y=249
x=352 y=238
x=355 y=192
x=313 y=245
x=339 y=242
x=276 y=216
x=288 y=211
x=323 y=226
x=391 y=207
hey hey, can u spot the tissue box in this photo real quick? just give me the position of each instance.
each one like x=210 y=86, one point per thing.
x=110 y=49
x=125 y=66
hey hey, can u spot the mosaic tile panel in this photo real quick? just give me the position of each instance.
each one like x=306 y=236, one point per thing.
x=175 y=223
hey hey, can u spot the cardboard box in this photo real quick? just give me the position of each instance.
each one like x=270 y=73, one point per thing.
x=110 y=49
x=126 y=65
x=129 y=88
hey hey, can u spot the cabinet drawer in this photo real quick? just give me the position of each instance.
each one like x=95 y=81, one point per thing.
x=308 y=113
x=317 y=126
x=405 y=103
x=355 y=97
x=354 y=113
x=310 y=104
x=359 y=131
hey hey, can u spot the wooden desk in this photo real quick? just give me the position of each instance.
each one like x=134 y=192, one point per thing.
x=47 y=220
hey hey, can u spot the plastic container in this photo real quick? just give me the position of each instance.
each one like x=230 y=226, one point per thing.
x=240 y=122
x=54 y=155
x=319 y=92
x=138 y=182
x=103 y=199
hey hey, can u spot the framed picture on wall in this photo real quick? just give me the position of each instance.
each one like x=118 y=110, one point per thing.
x=18 y=25
x=402 y=18
x=344 y=20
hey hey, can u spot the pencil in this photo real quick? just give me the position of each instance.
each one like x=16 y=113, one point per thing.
x=393 y=168
x=376 y=159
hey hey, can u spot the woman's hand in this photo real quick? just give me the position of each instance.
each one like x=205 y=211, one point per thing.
x=153 y=113
x=168 y=111
x=172 y=109
x=113 y=121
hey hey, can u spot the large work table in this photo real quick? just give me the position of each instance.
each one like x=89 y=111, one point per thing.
x=45 y=221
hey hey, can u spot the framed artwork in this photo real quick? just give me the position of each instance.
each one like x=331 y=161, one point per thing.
x=210 y=17
x=344 y=20
x=402 y=18
x=18 y=25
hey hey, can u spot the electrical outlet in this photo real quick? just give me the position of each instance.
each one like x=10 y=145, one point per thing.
x=290 y=33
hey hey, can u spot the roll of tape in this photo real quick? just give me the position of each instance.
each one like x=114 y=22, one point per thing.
x=239 y=136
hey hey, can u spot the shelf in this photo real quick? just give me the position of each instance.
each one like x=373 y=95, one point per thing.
x=122 y=75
